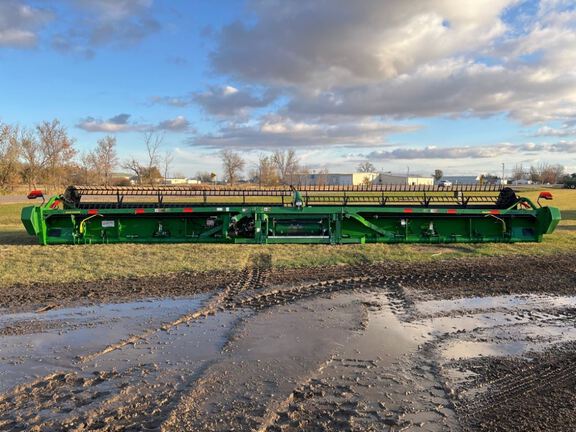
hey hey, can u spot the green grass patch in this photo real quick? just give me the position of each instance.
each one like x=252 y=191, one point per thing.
x=22 y=260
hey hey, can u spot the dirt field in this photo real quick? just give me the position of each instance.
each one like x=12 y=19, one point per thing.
x=470 y=344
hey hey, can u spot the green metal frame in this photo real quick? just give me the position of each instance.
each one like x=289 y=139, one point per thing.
x=55 y=223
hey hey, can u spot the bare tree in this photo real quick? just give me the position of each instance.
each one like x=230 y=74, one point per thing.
x=438 y=174
x=205 y=176
x=546 y=173
x=57 y=149
x=265 y=173
x=366 y=167
x=9 y=156
x=98 y=164
x=233 y=165
x=322 y=177
x=88 y=174
x=518 y=173
x=148 y=172
x=287 y=164
x=550 y=173
x=534 y=174
x=153 y=141
x=151 y=175
x=32 y=157
x=106 y=157
x=367 y=180
x=136 y=167
x=167 y=160
x=47 y=153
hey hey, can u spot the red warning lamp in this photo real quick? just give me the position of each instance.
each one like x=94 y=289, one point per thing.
x=544 y=195
x=36 y=193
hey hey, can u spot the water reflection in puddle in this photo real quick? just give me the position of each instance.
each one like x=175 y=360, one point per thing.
x=526 y=301
x=34 y=344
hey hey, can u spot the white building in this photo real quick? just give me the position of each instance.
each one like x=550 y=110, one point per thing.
x=336 y=179
x=180 y=181
x=412 y=180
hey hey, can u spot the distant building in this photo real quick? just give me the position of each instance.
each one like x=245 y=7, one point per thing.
x=522 y=182
x=180 y=181
x=412 y=180
x=330 y=179
x=489 y=179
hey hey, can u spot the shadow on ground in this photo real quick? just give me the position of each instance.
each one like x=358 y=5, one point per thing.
x=16 y=238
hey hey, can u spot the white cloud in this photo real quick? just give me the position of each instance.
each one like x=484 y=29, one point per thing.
x=106 y=23
x=565 y=130
x=121 y=123
x=497 y=151
x=276 y=131
x=20 y=23
x=174 y=101
x=230 y=101
x=178 y=124
x=115 y=10
x=118 y=123
x=221 y=101
x=409 y=58
x=333 y=42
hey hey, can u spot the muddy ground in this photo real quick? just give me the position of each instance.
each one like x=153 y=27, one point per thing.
x=483 y=344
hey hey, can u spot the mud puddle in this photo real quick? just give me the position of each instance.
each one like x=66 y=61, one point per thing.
x=356 y=353
x=34 y=344
x=133 y=387
x=503 y=302
x=375 y=382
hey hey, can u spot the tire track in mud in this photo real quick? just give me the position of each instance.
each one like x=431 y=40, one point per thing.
x=508 y=388
x=362 y=391
x=339 y=416
x=534 y=394
x=319 y=402
x=250 y=277
x=104 y=401
x=150 y=401
x=124 y=402
x=252 y=280
x=248 y=291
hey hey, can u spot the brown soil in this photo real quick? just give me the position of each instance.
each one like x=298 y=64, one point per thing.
x=470 y=344
x=439 y=279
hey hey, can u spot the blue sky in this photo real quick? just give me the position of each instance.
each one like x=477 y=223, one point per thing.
x=463 y=86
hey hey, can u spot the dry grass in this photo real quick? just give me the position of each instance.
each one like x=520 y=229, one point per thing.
x=21 y=260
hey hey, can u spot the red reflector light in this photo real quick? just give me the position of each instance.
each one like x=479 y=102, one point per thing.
x=36 y=193
x=408 y=210
x=545 y=195
x=188 y=210
x=139 y=211
x=92 y=212
x=494 y=211
x=451 y=211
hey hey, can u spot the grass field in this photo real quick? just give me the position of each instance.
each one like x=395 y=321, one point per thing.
x=23 y=261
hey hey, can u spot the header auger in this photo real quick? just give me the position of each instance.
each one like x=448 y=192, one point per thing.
x=306 y=214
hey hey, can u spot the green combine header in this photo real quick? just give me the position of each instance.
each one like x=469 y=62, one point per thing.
x=308 y=214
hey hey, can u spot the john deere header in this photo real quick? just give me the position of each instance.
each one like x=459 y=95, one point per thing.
x=331 y=215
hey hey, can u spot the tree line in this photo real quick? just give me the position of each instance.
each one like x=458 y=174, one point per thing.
x=46 y=155
x=280 y=167
x=541 y=173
